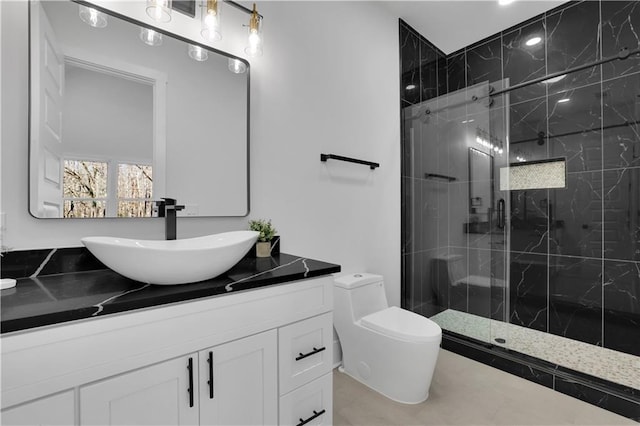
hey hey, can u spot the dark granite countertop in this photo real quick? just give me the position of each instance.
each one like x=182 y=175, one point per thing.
x=52 y=299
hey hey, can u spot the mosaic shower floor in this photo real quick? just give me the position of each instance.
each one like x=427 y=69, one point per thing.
x=605 y=363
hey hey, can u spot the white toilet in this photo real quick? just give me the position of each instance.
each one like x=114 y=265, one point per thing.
x=391 y=350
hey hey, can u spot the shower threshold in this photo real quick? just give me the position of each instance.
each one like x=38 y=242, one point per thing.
x=613 y=366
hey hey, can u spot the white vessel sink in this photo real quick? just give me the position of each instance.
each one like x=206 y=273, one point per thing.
x=172 y=262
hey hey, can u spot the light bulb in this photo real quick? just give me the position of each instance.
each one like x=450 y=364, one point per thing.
x=197 y=53
x=92 y=17
x=159 y=10
x=236 y=66
x=254 y=43
x=150 y=37
x=211 y=29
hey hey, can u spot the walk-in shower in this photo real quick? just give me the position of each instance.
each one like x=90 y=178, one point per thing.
x=521 y=198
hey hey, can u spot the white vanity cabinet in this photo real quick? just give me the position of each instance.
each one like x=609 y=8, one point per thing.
x=155 y=366
x=52 y=410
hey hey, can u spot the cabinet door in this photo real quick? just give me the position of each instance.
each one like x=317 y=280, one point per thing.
x=52 y=410
x=238 y=382
x=162 y=394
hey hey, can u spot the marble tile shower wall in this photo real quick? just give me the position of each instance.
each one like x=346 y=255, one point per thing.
x=574 y=257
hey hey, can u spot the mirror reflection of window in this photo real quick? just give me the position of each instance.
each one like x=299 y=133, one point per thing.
x=84 y=188
x=89 y=191
x=135 y=190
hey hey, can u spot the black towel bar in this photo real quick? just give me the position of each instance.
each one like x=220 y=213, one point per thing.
x=437 y=176
x=325 y=157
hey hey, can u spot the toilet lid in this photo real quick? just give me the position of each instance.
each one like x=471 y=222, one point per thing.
x=403 y=324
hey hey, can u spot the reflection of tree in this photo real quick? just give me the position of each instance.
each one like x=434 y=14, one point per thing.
x=86 y=193
x=135 y=189
x=85 y=181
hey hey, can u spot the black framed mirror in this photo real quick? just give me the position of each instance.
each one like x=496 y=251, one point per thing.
x=124 y=114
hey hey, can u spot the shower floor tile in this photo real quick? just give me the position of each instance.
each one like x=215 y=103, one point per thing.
x=614 y=366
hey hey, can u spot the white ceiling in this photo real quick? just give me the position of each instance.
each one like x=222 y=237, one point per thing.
x=453 y=24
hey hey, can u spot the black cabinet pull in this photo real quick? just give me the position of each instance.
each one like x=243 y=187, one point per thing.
x=315 y=414
x=190 y=390
x=313 y=352
x=210 y=382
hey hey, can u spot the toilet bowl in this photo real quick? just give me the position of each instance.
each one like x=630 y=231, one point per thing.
x=391 y=350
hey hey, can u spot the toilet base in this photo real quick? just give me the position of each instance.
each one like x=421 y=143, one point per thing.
x=342 y=370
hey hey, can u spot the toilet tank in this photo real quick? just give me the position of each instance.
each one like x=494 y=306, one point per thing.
x=364 y=292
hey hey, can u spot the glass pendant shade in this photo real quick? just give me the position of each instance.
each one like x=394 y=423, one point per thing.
x=159 y=10
x=92 y=17
x=197 y=53
x=236 y=66
x=211 y=30
x=150 y=37
x=254 y=43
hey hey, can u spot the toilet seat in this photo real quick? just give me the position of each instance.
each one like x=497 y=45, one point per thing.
x=402 y=324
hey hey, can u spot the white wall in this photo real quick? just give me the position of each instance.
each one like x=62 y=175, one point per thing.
x=328 y=83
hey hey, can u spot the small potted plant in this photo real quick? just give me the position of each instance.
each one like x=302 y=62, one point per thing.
x=267 y=232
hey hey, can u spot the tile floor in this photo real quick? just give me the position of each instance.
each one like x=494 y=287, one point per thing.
x=465 y=392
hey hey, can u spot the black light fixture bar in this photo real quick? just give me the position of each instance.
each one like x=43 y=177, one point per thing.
x=240 y=7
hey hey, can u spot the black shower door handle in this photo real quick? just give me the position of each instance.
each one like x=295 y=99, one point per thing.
x=501 y=214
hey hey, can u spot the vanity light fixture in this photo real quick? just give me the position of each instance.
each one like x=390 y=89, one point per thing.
x=254 y=42
x=211 y=29
x=211 y=20
x=236 y=66
x=159 y=10
x=92 y=17
x=533 y=41
x=197 y=53
x=150 y=37
x=563 y=100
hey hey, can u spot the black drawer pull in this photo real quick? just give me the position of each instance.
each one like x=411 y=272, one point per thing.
x=210 y=381
x=190 y=390
x=313 y=352
x=315 y=414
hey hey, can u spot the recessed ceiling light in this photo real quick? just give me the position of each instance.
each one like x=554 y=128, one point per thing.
x=554 y=79
x=533 y=41
x=410 y=87
x=505 y=2
x=563 y=100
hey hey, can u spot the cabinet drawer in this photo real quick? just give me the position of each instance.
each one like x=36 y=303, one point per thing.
x=305 y=351
x=311 y=404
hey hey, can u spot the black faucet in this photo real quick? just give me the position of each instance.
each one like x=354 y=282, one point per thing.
x=167 y=208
